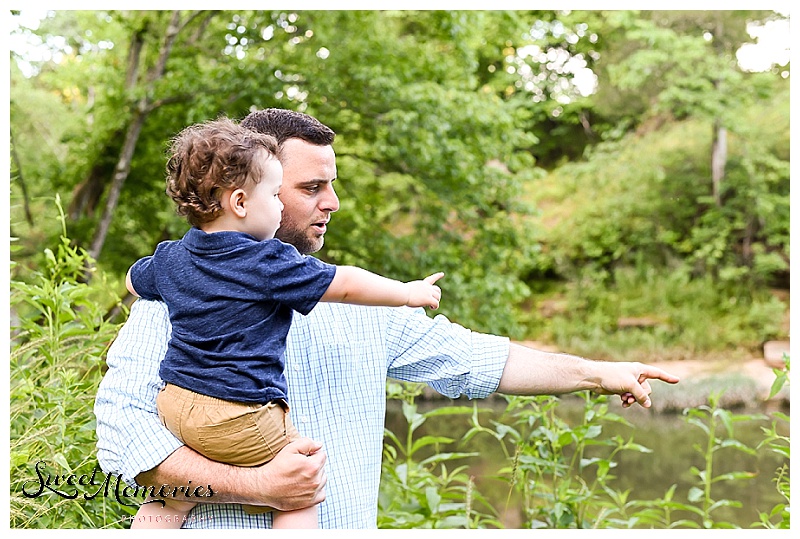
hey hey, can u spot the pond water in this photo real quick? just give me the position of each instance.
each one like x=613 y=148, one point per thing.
x=648 y=475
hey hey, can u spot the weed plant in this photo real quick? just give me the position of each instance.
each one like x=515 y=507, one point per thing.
x=560 y=473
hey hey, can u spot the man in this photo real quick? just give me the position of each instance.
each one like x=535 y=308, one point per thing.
x=337 y=361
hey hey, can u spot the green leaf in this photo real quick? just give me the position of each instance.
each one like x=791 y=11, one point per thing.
x=695 y=495
x=732 y=476
x=61 y=461
x=428 y=440
x=433 y=499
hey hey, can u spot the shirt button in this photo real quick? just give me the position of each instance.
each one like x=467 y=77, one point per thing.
x=303 y=419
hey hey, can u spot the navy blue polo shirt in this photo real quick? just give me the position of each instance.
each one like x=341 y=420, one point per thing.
x=230 y=300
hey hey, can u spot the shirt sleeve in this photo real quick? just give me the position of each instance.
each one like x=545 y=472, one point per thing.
x=130 y=436
x=452 y=359
x=143 y=278
x=290 y=278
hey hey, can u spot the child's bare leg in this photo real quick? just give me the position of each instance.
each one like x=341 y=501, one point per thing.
x=292 y=520
x=171 y=516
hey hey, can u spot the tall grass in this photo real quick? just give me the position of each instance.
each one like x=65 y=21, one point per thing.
x=58 y=345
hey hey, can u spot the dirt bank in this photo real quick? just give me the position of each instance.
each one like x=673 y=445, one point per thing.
x=744 y=381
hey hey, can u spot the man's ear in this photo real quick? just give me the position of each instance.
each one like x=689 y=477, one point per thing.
x=236 y=200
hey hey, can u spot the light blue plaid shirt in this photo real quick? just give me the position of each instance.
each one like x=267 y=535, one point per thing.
x=337 y=361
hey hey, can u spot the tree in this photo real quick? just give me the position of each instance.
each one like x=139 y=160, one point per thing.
x=431 y=160
x=685 y=63
x=142 y=108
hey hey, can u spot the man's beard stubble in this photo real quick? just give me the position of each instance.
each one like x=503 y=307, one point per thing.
x=290 y=233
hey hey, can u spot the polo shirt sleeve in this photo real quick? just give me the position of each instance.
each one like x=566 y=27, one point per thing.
x=452 y=359
x=143 y=278
x=287 y=277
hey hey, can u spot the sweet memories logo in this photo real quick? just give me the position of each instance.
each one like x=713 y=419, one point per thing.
x=88 y=486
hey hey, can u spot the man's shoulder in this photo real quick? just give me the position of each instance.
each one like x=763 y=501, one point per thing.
x=148 y=309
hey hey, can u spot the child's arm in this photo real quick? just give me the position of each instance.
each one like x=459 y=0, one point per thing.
x=361 y=287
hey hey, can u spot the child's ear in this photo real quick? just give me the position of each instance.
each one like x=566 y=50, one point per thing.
x=237 y=198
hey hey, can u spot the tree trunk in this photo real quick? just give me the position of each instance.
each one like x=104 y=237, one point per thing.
x=719 y=148
x=86 y=196
x=719 y=157
x=21 y=180
x=121 y=172
x=143 y=108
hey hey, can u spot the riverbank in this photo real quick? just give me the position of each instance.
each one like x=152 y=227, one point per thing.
x=743 y=382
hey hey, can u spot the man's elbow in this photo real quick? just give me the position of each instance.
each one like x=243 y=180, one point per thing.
x=147 y=478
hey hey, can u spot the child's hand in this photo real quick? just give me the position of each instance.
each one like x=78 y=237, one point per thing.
x=424 y=293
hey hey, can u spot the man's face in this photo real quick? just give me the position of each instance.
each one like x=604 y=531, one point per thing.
x=307 y=194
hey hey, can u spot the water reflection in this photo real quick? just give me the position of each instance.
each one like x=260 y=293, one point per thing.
x=647 y=475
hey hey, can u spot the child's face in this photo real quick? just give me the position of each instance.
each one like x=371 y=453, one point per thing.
x=263 y=205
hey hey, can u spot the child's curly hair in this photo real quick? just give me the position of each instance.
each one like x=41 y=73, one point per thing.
x=210 y=157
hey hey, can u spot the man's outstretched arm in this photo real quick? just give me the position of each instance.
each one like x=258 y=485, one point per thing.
x=534 y=372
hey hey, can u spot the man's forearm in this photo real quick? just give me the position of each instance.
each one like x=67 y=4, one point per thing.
x=227 y=483
x=535 y=372
x=294 y=479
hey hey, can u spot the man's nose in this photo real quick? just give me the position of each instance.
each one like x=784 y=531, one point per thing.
x=329 y=202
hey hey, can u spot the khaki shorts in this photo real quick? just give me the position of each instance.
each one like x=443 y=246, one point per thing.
x=231 y=432
x=235 y=433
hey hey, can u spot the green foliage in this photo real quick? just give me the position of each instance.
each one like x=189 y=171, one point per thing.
x=58 y=343
x=561 y=472
x=648 y=198
x=441 y=117
x=718 y=426
x=679 y=317
x=634 y=233
x=424 y=492
x=430 y=167
x=776 y=441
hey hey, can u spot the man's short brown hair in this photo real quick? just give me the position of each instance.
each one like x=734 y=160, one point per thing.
x=285 y=124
